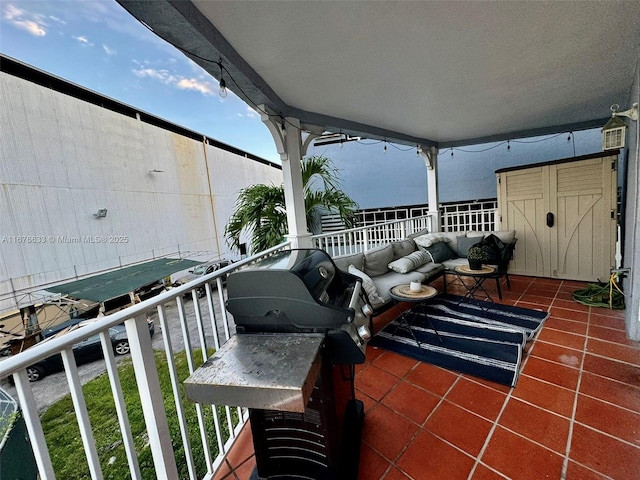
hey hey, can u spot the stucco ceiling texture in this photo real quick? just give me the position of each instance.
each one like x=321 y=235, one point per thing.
x=449 y=72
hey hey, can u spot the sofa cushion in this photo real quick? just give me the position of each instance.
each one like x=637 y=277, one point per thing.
x=417 y=234
x=368 y=285
x=507 y=236
x=455 y=262
x=343 y=262
x=430 y=269
x=376 y=261
x=464 y=244
x=453 y=239
x=410 y=262
x=386 y=282
x=430 y=239
x=403 y=248
x=440 y=252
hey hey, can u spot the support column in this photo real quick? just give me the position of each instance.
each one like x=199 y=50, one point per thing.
x=430 y=158
x=287 y=135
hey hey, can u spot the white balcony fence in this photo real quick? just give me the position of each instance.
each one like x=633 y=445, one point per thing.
x=203 y=324
x=459 y=217
x=362 y=239
x=377 y=229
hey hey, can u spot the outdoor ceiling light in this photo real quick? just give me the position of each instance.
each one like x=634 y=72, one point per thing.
x=223 y=84
x=223 y=88
x=613 y=133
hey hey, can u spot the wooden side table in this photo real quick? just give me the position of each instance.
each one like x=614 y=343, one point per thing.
x=479 y=277
x=403 y=293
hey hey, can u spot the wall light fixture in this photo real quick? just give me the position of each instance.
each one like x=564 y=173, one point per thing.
x=614 y=131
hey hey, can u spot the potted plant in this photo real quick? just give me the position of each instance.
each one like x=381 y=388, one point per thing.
x=477 y=255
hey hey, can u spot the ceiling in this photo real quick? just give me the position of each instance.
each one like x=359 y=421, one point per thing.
x=442 y=73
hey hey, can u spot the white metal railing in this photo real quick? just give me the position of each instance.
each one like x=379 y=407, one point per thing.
x=332 y=222
x=206 y=325
x=459 y=217
x=361 y=239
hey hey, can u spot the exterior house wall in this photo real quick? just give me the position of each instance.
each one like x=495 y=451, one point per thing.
x=631 y=257
x=62 y=159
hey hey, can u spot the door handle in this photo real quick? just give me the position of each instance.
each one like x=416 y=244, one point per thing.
x=550 y=219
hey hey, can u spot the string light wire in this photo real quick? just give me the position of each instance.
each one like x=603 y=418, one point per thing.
x=283 y=119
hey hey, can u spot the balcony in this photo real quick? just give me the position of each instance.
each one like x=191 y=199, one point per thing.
x=574 y=413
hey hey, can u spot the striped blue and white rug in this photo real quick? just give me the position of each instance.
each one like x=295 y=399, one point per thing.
x=479 y=338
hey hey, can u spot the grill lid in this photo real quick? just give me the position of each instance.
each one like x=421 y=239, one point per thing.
x=290 y=291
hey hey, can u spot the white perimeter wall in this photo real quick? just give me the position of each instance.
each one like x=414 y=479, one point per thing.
x=62 y=159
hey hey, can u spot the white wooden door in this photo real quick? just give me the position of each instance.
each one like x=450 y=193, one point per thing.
x=564 y=217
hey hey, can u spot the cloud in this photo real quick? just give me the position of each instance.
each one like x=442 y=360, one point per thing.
x=251 y=113
x=203 y=87
x=58 y=20
x=108 y=50
x=32 y=23
x=161 y=75
x=83 y=41
x=180 y=82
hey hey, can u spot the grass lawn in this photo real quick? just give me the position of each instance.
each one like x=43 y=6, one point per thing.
x=63 y=434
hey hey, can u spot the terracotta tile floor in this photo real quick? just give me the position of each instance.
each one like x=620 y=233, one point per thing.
x=574 y=413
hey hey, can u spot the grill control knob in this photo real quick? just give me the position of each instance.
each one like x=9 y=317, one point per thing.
x=367 y=310
x=364 y=333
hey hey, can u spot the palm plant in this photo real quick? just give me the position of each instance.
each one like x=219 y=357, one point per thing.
x=261 y=213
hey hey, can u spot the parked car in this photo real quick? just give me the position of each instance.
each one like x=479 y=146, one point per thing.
x=204 y=269
x=55 y=329
x=85 y=351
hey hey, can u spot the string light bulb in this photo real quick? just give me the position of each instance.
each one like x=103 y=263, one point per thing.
x=223 y=84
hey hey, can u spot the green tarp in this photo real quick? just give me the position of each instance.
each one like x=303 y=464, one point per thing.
x=119 y=282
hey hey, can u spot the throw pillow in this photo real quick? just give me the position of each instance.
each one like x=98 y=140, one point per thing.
x=440 y=252
x=506 y=236
x=410 y=262
x=430 y=239
x=376 y=261
x=464 y=244
x=403 y=248
x=368 y=286
x=497 y=247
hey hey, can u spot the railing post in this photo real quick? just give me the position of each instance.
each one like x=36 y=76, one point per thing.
x=155 y=415
x=34 y=427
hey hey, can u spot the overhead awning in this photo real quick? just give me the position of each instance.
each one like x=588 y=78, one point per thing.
x=119 y=282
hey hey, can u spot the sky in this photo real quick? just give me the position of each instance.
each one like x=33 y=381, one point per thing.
x=100 y=46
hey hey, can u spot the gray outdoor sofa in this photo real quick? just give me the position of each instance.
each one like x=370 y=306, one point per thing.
x=422 y=257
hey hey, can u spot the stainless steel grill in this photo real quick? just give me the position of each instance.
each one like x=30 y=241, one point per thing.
x=301 y=330
x=301 y=291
